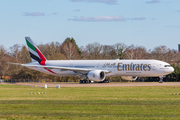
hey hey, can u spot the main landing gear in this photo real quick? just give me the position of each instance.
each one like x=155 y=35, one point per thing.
x=161 y=79
x=84 y=81
x=104 y=81
x=89 y=81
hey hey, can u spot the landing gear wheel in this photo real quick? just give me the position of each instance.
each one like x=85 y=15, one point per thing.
x=161 y=79
x=106 y=81
x=80 y=81
x=84 y=81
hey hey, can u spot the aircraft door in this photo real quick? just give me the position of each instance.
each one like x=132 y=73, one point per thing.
x=71 y=65
x=154 y=66
x=98 y=65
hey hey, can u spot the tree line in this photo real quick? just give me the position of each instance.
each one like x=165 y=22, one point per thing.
x=69 y=50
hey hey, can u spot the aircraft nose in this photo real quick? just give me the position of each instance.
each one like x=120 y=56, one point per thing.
x=172 y=69
x=169 y=70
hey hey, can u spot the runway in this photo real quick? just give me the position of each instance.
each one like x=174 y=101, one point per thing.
x=99 y=84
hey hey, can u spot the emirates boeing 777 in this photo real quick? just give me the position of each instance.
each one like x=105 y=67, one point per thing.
x=96 y=70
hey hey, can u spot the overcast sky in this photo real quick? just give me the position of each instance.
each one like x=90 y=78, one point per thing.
x=148 y=23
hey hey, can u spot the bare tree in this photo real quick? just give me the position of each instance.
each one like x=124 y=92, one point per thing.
x=159 y=53
x=108 y=52
x=84 y=53
x=140 y=53
x=170 y=55
x=4 y=67
x=120 y=48
x=94 y=50
x=15 y=51
x=129 y=52
x=137 y=52
x=24 y=55
x=2 y=50
x=70 y=51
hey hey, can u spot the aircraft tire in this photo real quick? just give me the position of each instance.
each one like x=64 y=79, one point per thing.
x=84 y=81
x=160 y=81
x=106 y=81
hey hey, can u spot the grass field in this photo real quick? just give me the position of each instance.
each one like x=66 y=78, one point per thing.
x=154 y=102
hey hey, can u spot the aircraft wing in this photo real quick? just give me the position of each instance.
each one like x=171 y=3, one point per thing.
x=80 y=70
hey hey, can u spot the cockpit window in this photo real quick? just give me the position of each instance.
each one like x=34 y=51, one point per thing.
x=167 y=65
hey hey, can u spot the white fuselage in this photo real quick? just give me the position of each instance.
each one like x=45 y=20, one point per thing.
x=141 y=68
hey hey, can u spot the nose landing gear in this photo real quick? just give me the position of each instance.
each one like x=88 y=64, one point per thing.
x=161 y=79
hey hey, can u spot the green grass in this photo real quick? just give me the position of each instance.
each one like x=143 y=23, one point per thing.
x=154 y=102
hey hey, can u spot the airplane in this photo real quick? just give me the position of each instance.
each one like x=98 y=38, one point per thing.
x=96 y=70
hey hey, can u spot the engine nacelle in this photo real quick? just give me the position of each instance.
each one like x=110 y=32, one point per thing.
x=96 y=75
x=129 y=77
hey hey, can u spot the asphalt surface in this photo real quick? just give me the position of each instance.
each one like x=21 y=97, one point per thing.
x=98 y=84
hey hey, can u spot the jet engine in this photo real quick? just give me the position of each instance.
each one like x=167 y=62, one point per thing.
x=96 y=75
x=129 y=77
